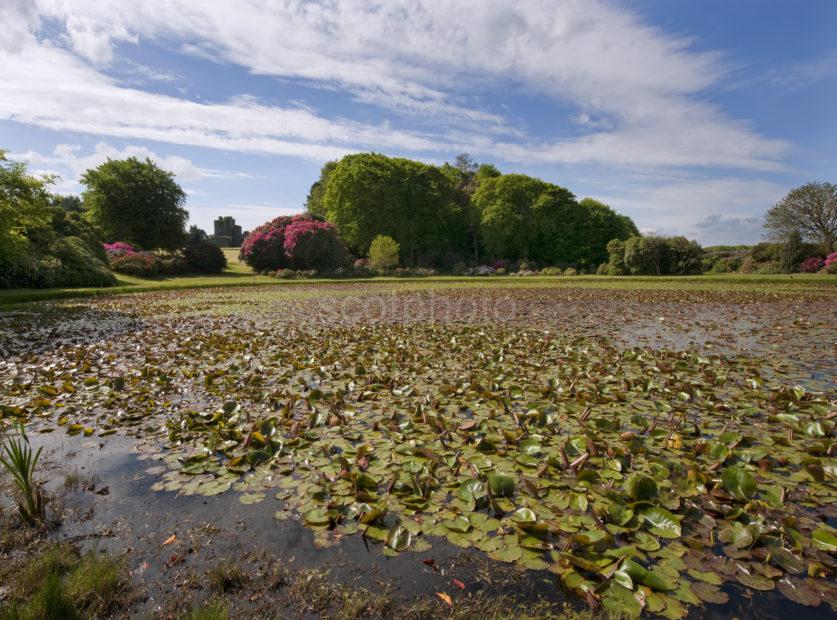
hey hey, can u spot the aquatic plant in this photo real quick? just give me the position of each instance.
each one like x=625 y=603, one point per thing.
x=20 y=461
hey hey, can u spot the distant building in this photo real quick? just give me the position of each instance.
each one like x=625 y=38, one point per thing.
x=227 y=232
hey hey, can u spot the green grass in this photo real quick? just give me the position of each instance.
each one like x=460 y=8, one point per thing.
x=60 y=584
x=238 y=274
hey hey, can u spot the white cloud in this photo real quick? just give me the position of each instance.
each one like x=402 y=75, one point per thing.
x=415 y=58
x=693 y=207
x=69 y=164
x=720 y=230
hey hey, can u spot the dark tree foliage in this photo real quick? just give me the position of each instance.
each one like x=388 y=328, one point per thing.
x=71 y=204
x=654 y=256
x=136 y=201
x=204 y=257
x=42 y=244
x=791 y=253
x=525 y=218
x=196 y=235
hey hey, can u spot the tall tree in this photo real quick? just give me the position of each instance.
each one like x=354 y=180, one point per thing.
x=314 y=202
x=369 y=194
x=24 y=206
x=136 y=201
x=811 y=210
x=602 y=225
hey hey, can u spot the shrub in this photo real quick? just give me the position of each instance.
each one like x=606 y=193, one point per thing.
x=482 y=270
x=570 y=271
x=812 y=264
x=172 y=264
x=500 y=271
x=294 y=242
x=764 y=252
x=117 y=248
x=831 y=268
x=314 y=244
x=79 y=265
x=501 y=264
x=770 y=267
x=791 y=254
x=831 y=259
x=293 y=274
x=682 y=257
x=459 y=269
x=602 y=270
x=383 y=253
x=204 y=257
x=361 y=269
x=720 y=265
x=552 y=271
x=263 y=249
x=616 y=257
x=140 y=264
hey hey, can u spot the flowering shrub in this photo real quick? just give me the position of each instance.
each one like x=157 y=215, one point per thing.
x=812 y=264
x=552 y=271
x=263 y=249
x=141 y=264
x=125 y=258
x=118 y=247
x=313 y=244
x=501 y=264
x=831 y=259
x=483 y=270
x=294 y=242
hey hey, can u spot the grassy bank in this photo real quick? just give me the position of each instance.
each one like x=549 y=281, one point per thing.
x=238 y=274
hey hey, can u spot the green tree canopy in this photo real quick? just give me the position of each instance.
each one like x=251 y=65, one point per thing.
x=369 y=194
x=603 y=224
x=24 y=206
x=136 y=201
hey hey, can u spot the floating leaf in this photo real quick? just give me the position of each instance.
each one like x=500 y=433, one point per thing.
x=661 y=522
x=739 y=482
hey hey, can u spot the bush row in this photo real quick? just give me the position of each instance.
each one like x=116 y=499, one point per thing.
x=197 y=257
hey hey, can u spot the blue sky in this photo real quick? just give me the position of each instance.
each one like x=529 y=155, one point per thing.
x=691 y=117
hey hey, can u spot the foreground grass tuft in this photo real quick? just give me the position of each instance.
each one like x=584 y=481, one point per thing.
x=226 y=576
x=60 y=584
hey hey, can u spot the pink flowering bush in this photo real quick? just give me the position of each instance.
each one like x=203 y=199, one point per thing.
x=812 y=264
x=314 y=244
x=831 y=259
x=141 y=264
x=294 y=242
x=263 y=249
x=118 y=247
x=125 y=258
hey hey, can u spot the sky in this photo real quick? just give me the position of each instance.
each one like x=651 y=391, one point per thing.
x=691 y=117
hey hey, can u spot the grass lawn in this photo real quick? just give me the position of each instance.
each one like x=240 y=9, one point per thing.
x=238 y=274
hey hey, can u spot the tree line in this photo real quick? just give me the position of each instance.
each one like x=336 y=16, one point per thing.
x=461 y=211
